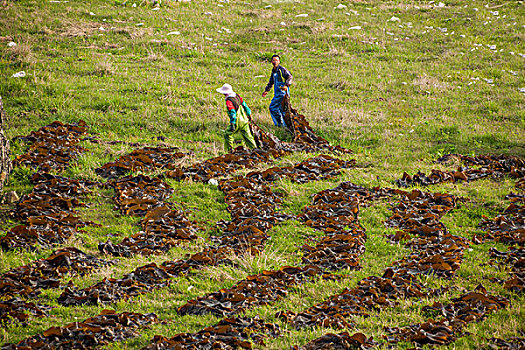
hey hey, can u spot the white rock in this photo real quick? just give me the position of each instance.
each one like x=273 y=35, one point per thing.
x=355 y=28
x=440 y=5
x=340 y=7
x=11 y=44
x=259 y=76
x=302 y=15
x=489 y=81
x=20 y=74
x=91 y=14
x=268 y=6
x=213 y=182
x=522 y=90
x=134 y=5
x=283 y=24
x=394 y=19
x=208 y=13
x=11 y=197
x=140 y=24
x=173 y=33
x=155 y=9
x=101 y=28
x=492 y=47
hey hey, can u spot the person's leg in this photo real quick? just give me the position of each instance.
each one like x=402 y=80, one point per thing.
x=248 y=137
x=276 y=111
x=228 y=140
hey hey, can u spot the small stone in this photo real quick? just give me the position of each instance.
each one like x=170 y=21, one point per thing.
x=11 y=197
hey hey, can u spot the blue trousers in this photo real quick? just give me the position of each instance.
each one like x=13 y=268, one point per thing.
x=276 y=111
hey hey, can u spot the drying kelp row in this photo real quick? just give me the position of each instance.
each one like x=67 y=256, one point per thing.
x=53 y=146
x=255 y=290
x=90 y=333
x=341 y=341
x=304 y=137
x=509 y=227
x=144 y=159
x=488 y=165
x=229 y=333
x=434 y=250
x=371 y=293
x=18 y=310
x=221 y=166
x=515 y=259
x=135 y=195
x=250 y=221
x=162 y=227
x=471 y=307
x=47 y=213
x=255 y=203
x=513 y=343
x=335 y=212
x=29 y=280
x=397 y=282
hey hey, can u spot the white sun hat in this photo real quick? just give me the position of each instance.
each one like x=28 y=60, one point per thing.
x=225 y=89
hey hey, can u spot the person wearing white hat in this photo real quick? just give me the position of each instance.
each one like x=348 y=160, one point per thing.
x=240 y=116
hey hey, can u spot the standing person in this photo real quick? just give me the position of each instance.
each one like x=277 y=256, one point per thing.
x=240 y=116
x=281 y=79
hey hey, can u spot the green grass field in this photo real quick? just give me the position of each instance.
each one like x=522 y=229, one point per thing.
x=399 y=82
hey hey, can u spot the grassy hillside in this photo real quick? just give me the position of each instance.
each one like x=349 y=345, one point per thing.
x=400 y=83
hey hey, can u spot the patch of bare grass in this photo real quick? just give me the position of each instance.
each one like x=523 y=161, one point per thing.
x=22 y=54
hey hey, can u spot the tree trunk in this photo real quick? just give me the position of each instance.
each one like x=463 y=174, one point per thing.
x=5 y=162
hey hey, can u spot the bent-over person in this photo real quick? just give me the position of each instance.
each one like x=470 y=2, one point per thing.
x=240 y=116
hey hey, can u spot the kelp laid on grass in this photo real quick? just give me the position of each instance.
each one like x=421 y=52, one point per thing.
x=341 y=341
x=473 y=306
x=252 y=205
x=91 y=333
x=486 y=165
x=48 y=212
x=509 y=227
x=229 y=333
x=162 y=229
x=417 y=213
x=143 y=159
x=255 y=290
x=371 y=293
x=335 y=212
x=18 y=310
x=221 y=166
x=29 y=280
x=53 y=147
x=515 y=259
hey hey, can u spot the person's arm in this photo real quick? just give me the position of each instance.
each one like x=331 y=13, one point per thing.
x=247 y=110
x=269 y=85
x=287 y=76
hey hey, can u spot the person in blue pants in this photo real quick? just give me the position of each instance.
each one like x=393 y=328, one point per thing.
x=281 y=79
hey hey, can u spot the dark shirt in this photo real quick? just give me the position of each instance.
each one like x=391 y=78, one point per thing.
x=283 y=76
